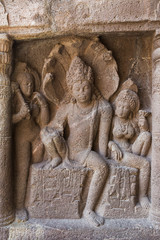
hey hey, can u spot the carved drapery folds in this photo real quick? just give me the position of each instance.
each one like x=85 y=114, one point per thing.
x=6 y=198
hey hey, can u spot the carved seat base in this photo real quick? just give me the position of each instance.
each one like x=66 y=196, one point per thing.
x=55 y=193
x=119 y=198
x=62 y=193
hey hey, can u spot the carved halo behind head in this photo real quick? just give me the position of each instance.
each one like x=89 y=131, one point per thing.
x=57 y=76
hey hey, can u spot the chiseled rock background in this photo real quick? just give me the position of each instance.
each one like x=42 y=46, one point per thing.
x=41 y=18
x=120 y=24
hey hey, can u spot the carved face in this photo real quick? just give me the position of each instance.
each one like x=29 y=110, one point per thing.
x=26 y=85
x=82 y=91
x=123 y=109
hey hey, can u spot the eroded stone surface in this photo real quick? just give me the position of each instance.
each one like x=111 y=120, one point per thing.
x=80 y=121
x=56 y=193
x=79 y=229
x=87 y=102
x=6 y=203
x=48 y=18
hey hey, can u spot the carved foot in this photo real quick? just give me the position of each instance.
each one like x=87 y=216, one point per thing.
x=21 y=215
x=52 y=163
x=144 y=202
x=93 y=218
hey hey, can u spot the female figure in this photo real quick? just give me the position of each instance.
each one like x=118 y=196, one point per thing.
x=30 y=113
x=124 y=131
x=86 y=117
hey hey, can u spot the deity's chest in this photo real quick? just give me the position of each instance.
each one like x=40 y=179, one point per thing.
x=82 y=124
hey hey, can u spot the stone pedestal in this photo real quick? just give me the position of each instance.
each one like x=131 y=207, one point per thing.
x=55 y=193
x=61 y=193
x=6 y=198
x=119 y=198
x=155 y=174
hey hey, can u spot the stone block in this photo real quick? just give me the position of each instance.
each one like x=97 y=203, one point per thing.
x=62 y=193
x=55 y=193
x=119 y=197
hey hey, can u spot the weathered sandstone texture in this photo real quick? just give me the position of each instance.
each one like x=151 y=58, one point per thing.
x=80 y=119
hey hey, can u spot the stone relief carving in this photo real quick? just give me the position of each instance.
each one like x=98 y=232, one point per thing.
x=87 y=115
x=78 y=136
x=30 y=114
x=125 y=127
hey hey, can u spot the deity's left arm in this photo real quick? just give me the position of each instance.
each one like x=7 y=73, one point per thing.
x=104 y=127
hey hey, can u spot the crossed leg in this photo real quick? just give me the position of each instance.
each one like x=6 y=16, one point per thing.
x=55 y=146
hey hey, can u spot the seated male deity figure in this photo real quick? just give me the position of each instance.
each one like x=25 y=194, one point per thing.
x=123 y=149
x=87 y=116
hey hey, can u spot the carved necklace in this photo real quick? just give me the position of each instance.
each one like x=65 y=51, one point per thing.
x=84 y=111
x=124 y=125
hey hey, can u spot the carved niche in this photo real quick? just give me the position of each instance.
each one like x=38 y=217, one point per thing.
x=88 y=157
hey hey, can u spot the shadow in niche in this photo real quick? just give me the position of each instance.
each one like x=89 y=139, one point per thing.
x=49 y=191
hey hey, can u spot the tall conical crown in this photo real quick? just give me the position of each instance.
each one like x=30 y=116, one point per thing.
x=78 y=71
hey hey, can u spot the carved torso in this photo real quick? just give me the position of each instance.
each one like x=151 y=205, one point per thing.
x=122 y=133
x=83 y=126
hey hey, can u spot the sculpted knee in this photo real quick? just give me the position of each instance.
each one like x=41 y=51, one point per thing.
x=146 y=136
x=103 y=168
x=48 y=135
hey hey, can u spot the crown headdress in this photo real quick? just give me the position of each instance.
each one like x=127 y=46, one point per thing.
x=131 y=97
x=78 y=71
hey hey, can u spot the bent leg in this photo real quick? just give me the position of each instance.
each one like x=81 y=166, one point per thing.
x=142 y=144
x=133 y=160
x=99 y=166
x=55 y=146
